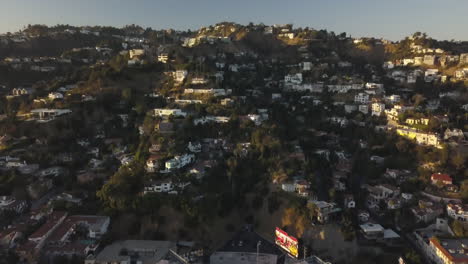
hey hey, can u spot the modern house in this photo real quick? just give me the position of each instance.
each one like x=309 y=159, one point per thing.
x=180 y=161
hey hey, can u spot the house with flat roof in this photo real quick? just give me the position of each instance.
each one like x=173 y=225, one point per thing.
x=243 y=248
x=133 y=251
x=448 y=250
x=45 y=114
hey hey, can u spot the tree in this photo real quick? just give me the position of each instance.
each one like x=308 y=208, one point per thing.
x=459 y=228
x=312 y=211
x=120 y=192
x=464 y=190
x=458 y=160
x=295 y=219
x=412 y=257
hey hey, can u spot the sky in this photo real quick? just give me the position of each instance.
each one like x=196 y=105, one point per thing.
x=390 y=19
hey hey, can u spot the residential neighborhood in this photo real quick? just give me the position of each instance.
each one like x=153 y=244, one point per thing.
x=231 y=144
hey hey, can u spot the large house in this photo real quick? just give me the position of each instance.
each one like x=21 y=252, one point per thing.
x=420 y=137
x=180 y=161
x=168 y=112
x=324 y=210
x=458 y=211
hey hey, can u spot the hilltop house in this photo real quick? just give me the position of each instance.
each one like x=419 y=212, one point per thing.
x=324 y=210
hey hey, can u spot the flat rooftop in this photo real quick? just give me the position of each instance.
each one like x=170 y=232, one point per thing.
x=146 y=251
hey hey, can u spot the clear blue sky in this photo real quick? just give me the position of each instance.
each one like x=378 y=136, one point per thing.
x=392 y=19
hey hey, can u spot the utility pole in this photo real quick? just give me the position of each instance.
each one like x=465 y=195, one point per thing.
x=258 y=249
x=305 y=252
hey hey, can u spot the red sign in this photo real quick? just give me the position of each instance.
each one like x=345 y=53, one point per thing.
x=286 y=242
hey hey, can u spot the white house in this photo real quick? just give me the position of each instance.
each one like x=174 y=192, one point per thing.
x=180 y=161
x=53 y=96
x=208 y=119
x=374 y=86
x=406 y=62
x=361 y=98
x=288 y=187
x=168 y=112
x=458 y=211
x=377 y=109
x=372 y=231
x=180 y=75
x=164 y=187
x=136 y=53
x=44 y=114
x=293 y=78
x=363 y=109
x=307 y=65
x=431 y=75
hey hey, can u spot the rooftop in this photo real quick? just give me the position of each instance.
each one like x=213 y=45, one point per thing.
x=454 y=249
x=52 y=221
x=372 y=228
x=146 y=251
